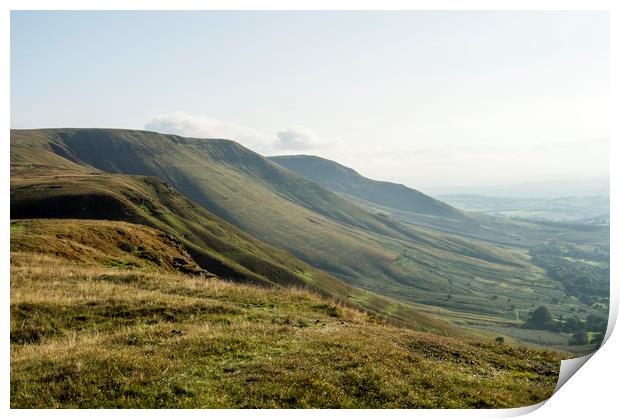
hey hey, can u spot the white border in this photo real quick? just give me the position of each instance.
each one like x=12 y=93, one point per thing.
x=592 y=393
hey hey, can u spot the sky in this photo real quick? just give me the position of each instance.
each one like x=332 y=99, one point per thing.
x=427 y=99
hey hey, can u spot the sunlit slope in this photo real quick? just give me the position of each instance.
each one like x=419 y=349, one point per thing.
x=91 y=334
x=412 y=206
x=345 y=180
x=220 y=248
x=104 y=243
x=365 y=249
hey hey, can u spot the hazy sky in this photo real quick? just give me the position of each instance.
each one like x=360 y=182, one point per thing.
x=421 y=98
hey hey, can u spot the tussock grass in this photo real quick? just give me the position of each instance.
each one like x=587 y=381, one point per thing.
x=96 y=336
x=96 y=242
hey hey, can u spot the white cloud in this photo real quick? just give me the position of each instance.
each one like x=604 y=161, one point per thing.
x=205 y=127
x=298 y=137
x=291 y=138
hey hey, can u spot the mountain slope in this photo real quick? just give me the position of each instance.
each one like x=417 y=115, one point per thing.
x=104 y=243
x=344 y=180
x=76 y=192
x=411 y=206
x=367 y=250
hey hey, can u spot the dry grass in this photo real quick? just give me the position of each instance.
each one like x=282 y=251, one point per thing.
x=88 y=336
x=95 y=242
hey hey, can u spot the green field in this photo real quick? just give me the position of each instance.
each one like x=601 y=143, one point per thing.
x=577 y=209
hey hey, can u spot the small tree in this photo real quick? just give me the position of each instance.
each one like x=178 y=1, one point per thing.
x=541 y=316
x=540 y=319
x=596 y=323
x=499 y=340
x=580 y=337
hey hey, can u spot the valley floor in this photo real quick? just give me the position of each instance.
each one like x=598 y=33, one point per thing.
x=101 y=336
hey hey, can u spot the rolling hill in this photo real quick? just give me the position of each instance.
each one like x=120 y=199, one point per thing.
x=342 y=179
x=411 y=206
x=346 y=248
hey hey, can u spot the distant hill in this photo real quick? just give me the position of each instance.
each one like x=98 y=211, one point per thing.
x=342 y=179
x=411 y=206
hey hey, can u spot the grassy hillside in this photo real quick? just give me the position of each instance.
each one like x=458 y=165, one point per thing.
x=104 y=243
x=411 y=206
x=339 y=178
x=167 y=339
x=220 y=248
x=473 y=283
